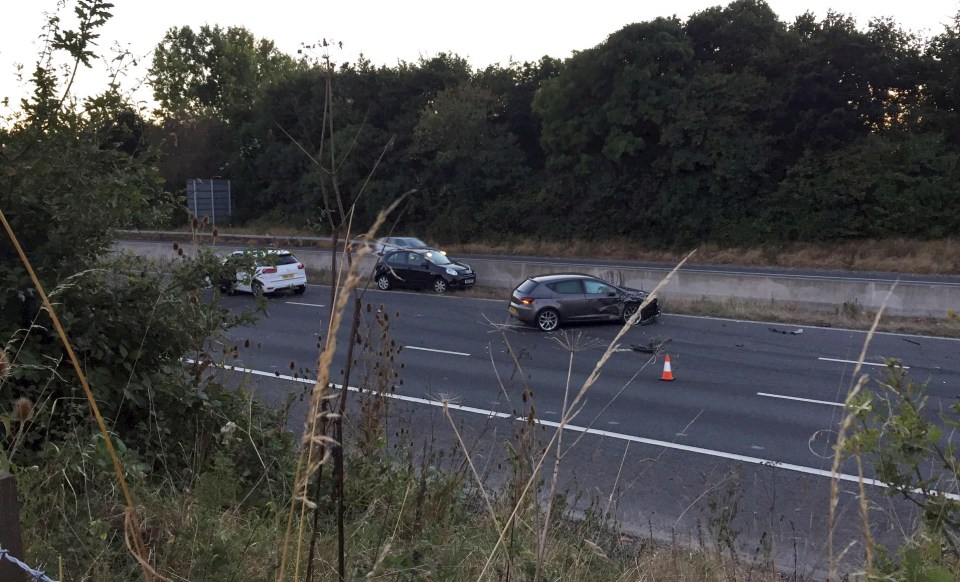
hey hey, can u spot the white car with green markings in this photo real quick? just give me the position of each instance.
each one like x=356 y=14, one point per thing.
x=271 y=271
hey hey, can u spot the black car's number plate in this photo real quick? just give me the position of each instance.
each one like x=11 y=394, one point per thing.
x=468 y=281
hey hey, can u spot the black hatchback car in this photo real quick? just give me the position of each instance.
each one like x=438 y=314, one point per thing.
x=549 y=301
x=421 y=269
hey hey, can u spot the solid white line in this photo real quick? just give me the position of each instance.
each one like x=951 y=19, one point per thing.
x=400 y=397
x=800 y=399
x=433 y=350
x=306 y=304
x=592 y=431
x=854 y=362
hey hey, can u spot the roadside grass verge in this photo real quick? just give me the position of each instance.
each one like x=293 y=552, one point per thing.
x=891 y=255
x=407 y=519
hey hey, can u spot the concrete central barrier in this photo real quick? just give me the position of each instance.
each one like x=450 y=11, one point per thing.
x=822 y=293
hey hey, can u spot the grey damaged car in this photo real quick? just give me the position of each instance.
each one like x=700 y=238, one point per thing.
x=550 y=301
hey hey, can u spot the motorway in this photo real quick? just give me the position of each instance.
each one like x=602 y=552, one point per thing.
x=748 y=422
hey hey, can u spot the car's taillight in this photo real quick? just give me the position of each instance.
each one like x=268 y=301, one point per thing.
x=300 y=266
x=526 y=300
x=269 y=270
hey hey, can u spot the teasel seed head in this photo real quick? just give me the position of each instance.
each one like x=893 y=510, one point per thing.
x=22 y=410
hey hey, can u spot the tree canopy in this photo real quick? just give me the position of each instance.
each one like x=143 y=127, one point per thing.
x=731 y=126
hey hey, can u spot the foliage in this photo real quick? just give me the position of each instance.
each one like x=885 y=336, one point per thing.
x=731 y=127
x=219 y=521
x=214 y=72
x=914 y=452
x=876 y=187
x=72 y=175
x=469 y=161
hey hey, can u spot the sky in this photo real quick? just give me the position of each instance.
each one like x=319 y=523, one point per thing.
x=388 y=31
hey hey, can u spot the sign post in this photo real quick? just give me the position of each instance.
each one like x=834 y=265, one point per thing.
x=10 y=538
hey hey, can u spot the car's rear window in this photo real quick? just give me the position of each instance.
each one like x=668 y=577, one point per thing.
x=527 y=286
x=287 y=259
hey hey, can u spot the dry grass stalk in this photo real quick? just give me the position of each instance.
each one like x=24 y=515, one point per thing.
x=569 y=415
x=473 y=469
x=845 y=425
x=5 y=366
x=132 y=533
x=616 y=480
x=313 y=442
x=385 y=550
x=545 y=528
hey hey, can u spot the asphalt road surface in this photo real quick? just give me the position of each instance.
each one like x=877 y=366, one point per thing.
x=736 y=450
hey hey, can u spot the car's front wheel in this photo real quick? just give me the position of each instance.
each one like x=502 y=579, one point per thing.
x=440 y=285
x=629 y=310
x=383 y=282
x=548 y=319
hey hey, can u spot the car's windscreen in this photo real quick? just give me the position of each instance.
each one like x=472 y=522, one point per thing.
x=437 y=258
x=413 y=243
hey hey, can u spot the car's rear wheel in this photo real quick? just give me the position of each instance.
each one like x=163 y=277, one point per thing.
x=299 y=290
x=440 y=285
x=548 y=319
x=629 y=310
x=383 y=282
x=256 y=287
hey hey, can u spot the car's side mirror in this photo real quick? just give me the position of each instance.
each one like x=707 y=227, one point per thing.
x=611 y=294
x=424 y=264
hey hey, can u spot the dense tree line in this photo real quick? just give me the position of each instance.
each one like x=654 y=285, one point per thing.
x=732 y=126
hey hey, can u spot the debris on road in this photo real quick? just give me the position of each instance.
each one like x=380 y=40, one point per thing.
x=797 y=331
x=651 y=347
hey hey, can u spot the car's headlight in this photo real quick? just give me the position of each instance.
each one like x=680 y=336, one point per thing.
x=451 y=272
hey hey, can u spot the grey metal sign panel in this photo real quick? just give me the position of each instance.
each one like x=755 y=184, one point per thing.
x=211 y=199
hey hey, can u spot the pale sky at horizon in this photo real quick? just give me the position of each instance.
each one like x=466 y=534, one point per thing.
x=388 y=31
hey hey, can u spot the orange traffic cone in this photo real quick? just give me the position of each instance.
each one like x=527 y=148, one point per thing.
x=667 y=372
